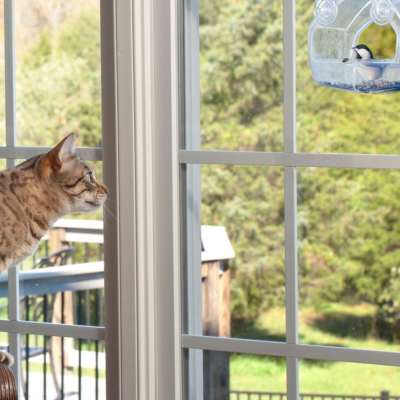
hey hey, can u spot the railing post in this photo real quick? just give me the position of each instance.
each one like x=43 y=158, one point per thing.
x=385 y=395
x=56 y=239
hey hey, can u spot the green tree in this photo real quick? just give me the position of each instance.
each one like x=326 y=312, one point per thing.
x=348 y=220
x=58 y=84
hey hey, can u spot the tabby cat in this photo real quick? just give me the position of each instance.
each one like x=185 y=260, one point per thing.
x=34 y=194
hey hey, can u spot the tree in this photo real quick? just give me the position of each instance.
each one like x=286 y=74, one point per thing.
x=58 y=84
x=348 y=220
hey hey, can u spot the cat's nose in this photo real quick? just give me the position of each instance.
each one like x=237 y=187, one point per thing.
x=103 y=189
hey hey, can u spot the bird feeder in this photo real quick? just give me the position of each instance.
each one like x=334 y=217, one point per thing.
x=335 y=32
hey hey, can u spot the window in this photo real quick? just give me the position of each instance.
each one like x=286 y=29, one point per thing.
x=53 y=84
x=233 y=134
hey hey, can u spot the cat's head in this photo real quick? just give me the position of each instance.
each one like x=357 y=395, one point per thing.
x=64 y=170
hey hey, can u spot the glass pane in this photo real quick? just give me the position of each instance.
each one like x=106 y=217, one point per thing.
x=3 y=275
x=3 y=297
x=333 y=121
x=349 y=257
x=54 y=367
x=242 y=234
x=4 y=341
x=58 y=71
x=65 y=285
x=241 y=376
x=241 y=74
x=339 y=380
x=82 y=306
x=63 y=281
x=2 y=78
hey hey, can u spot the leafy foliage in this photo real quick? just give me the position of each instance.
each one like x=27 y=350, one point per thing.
x=58 y=84
x=348 y=220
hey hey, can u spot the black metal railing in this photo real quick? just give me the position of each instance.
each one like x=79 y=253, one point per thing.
x=64 y=286
x=254 y=395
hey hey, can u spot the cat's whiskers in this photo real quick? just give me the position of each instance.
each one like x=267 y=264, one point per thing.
x=108 y=211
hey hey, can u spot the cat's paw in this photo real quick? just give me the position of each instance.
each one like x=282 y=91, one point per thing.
x=6 y=358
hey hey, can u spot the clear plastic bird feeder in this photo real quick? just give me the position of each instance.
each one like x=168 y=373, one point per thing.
x=336 y=29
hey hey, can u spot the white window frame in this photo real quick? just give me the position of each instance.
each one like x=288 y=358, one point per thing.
x=137 y=127
x=290 y=160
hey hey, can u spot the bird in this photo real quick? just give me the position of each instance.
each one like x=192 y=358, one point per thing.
x=367 y=69
x=360 y=52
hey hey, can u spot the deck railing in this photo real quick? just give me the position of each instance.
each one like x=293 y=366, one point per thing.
x=254 y=395
x=53 y=367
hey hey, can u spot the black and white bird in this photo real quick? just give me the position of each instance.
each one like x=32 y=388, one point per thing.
x=360 y=52
x=368 y=71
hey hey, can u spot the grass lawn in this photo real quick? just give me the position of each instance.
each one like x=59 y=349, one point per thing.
x=335 y=325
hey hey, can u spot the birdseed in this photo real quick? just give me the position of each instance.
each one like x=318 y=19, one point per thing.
x=378 y=86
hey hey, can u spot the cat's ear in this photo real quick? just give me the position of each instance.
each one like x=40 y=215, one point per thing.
x=61 y=153
x=66 y=149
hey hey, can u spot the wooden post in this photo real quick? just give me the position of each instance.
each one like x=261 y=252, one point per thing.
x=216 y=375
x=225 y=300
x=385 y=395
x=56 y=240
x=215 y=275
x=216 y=322
x=216 y=299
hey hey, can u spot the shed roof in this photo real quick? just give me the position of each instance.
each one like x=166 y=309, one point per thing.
x=215 y=244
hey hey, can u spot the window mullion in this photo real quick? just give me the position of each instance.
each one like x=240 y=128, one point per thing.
x=291 y=270
x=336 y=160
x=13 y=311
x=300 y=351
x=13 y=274
x=193 y=194
x=9 y=55
x=22 y=152
x=86 y=332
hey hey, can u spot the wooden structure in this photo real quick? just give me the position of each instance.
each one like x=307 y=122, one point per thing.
x=216 y=253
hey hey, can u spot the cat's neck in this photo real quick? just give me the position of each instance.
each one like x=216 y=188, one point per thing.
x=40 y=200
x=28 y=208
